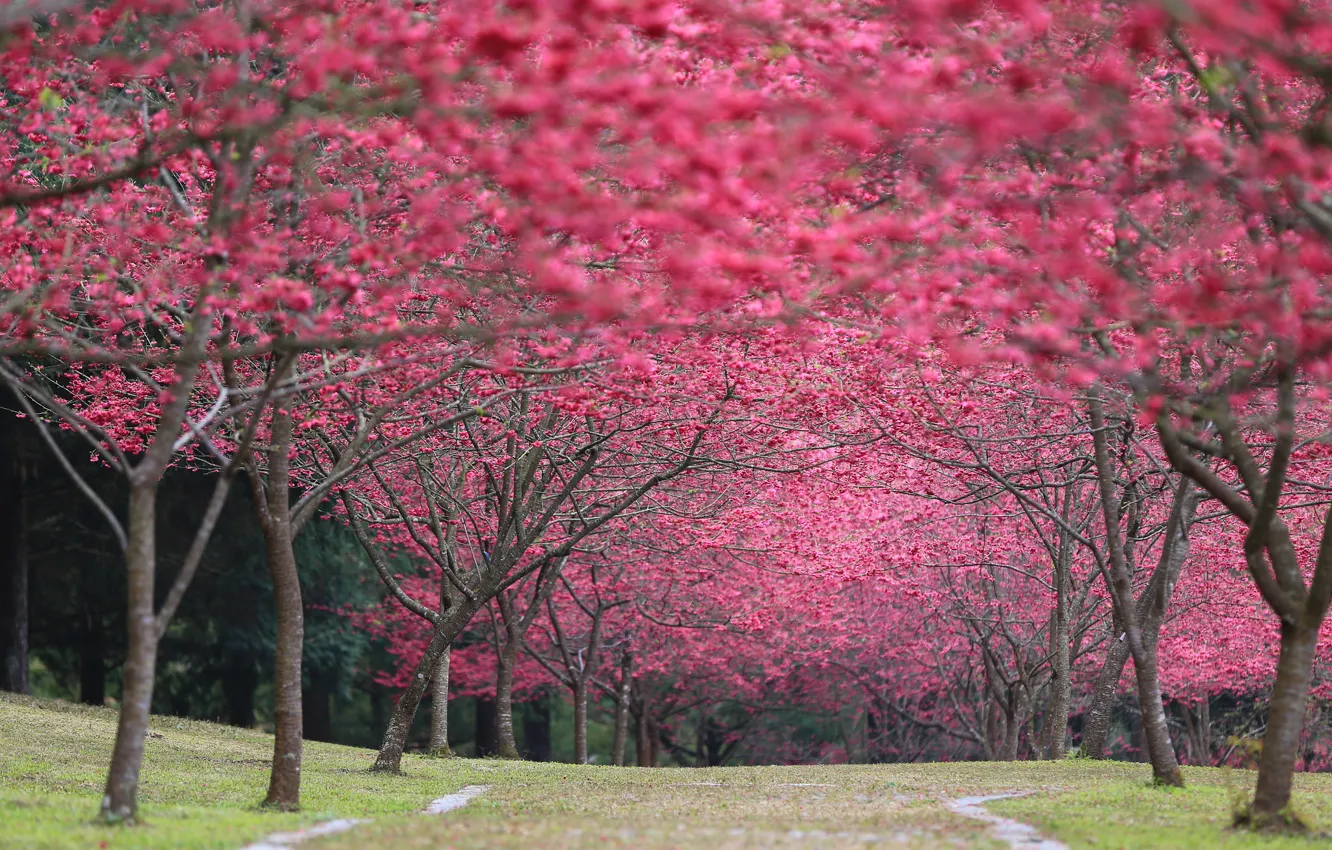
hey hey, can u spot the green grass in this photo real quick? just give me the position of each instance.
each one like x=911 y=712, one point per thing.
x=1126 y=812
x=201 y=784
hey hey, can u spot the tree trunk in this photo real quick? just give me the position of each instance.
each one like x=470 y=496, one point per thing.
x=992 y=737
x=120 y=800
x=1008 y=750
x=1097 y=726
x=389 y=759
x=1205 y=731
x=647 y=732
x=1056 y=711
x=1285 y=722
x=400 y=723
x=580 y=723
x=439 y=683
x=1150 y=608
x=439 y=706
x=1165 y=766
x=13 y=560
x=620 y=743
x=507 y=745
x=1055 y=731
x=1160 y=751
x=284 y=785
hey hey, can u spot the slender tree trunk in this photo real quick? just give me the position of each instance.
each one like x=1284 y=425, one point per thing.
x=1165 y=766
x=389 y=759
x=1205 y=731
x=1190 y=734
x=439 y=706
x=13 y=560
x=580 y=722
x=400 y=723
x=1056 y=712
x=1151 y=608
x=1097 y=726
x=284 y=785
x=1285 y=721
x=647 y=732
x=120 y=801
x=1160 y=751
x=1042 y=747
x=622 y=695
x=439 y=683
x=507 y=743
x=1012 y=727
x=990 y=742
x=1055 y=731
x=653 y=740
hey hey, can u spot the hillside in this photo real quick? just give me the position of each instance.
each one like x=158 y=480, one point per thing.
x=201 y=782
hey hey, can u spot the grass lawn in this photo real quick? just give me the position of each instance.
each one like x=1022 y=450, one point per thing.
x=201 y=783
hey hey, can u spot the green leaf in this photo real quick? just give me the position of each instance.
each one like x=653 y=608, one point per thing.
x=49 y=100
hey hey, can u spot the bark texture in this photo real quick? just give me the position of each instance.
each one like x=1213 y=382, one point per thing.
x=648 y=740
x=1285 y=721
x=622 y=700
x=1054 y=730
x=1097 y=725
x=439 y=706
x=273 y=502
x=506 y=743
x=120 y=800
x=580 y=724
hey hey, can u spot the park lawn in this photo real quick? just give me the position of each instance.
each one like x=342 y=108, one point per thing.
x=1130 y=813
x=200 y=787
x=202 y=781
x=1083 y=803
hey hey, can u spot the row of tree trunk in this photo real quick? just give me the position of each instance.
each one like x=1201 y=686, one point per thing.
x=537 y=738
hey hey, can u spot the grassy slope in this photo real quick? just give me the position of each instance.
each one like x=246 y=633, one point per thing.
x=201 y=783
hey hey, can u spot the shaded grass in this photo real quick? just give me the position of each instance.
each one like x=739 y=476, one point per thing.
x=202 y=784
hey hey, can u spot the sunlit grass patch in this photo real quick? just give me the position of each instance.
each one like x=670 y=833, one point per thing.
x=1133 y=814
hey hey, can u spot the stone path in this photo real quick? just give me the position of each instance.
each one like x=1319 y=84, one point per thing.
x=281 y=840
x=1015 y=834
